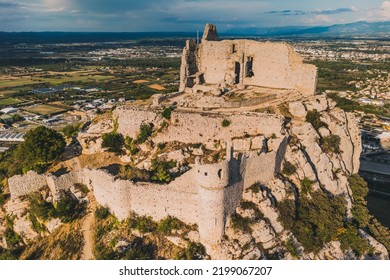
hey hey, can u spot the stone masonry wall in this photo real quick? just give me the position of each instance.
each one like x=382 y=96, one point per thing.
x=187 y=127
x=273 y=65
x=205 y=195
x=20 y=185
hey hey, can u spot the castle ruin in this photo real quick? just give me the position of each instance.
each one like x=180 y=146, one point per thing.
x=242 y=63
x=255 y=143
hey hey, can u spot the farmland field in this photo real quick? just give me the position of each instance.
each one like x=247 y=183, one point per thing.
x=53 y=78
x=9 y=101
x=47 y=110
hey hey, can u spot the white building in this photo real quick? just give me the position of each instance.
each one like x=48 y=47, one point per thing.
x=9 y=110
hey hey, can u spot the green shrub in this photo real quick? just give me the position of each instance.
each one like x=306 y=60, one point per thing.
x=196 y=145
x=169 y=224
x=131 y=145
x=81 y=188
x=36 y=225
x=225 y=123
x=314 y=221
x=292 y=248
x=249 y=205
x=71 y=130
x=240 y=223
x=307 y=185
x=331 y=144
x=166 y=114
x=361 y=214
x=68 y=208
x=314 y=117
x=13 y=239
x=145 y=132
x=102 y=212
x=40 y=208
x=381 y=233
x=113 y=141
x=288 y=168
x=359 y=188
x=161 y=146
x=143 y=224
x=194 y=251
x=3 y=196
x=255 y=188
x=350 y=239
x=127 y=172
x=160 y=171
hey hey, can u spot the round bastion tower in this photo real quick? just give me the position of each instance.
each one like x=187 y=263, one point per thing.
x=211 y=180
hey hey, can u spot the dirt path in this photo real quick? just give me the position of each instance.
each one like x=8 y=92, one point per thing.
x=87 y=229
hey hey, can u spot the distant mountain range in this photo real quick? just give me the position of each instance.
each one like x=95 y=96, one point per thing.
x=380 y=29
x=356 y=28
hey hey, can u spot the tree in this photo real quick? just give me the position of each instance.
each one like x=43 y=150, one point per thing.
x=113 y=141
x=41 y=145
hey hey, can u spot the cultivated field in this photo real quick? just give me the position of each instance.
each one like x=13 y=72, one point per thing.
x=47 y=110
x=9 y=102
x=53 y=78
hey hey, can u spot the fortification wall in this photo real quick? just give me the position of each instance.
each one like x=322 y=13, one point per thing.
x=198 y=128
x=259 y=168
x=114 y=194
x=178 y=199
x=205 y=195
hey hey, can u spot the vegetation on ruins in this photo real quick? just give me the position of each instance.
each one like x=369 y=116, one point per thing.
x=169 y=224
x=113 y=141
x=42 y=145
x=225 y=123
x=128 y=172
x=160 y=171
x=167 y=112
x=67 y=208
x=102 y=212
x=131 y=145
x=145 y=132
x=193 y=251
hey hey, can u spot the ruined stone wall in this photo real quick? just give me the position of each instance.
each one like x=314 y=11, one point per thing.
x=20 y=185
x=206 y=195
x=259 y=168
x=275 y=65
x=187 y=127
x=178 y=199
x=114 y=194
x=64 y=182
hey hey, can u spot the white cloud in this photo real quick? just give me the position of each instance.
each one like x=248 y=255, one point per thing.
x=384 y=10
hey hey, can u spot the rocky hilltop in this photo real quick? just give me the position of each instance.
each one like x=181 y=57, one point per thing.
x=245 y=162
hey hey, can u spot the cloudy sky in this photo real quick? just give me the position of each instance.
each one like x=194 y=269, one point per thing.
x=182 y=15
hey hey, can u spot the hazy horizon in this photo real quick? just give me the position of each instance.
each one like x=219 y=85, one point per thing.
x=181 y=15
